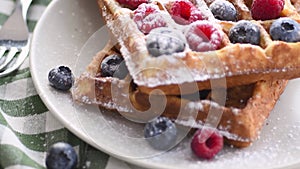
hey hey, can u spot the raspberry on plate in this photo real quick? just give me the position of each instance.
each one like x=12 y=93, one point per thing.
x=184 y=12
x=148 y=17
x=132 y=4
x=206 y=143
x=266 y=9
x=203 y=36
x=285 y=29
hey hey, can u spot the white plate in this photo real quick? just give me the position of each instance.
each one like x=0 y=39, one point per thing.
x=60 y=39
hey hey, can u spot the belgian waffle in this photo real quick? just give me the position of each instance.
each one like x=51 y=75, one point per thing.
x=243 y=113
x=255 y=75
x=239 y=63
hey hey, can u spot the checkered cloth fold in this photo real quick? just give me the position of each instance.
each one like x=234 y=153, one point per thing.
x=27 y=127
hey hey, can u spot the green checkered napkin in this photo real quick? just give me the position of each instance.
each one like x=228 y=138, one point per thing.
x=27 y=128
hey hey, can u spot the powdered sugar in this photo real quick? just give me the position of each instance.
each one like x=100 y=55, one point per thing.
x=148 y=17
x=139 y=60
x=276 y=147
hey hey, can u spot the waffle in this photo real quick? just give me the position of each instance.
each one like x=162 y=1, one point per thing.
x=240 y=64
x=243 y=113
x=253 y=76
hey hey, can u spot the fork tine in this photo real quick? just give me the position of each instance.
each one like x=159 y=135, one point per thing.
x=15 y=39
x=19 y=60
x=12 y=52
x=2 y=51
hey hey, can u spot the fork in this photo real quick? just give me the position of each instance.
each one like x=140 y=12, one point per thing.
x=14 y=39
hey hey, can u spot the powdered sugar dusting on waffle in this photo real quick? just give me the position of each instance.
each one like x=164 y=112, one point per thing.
x=224 y=130
x=135 y=59
x=137 y=52
x=176 y=71
x=152 y=19
x=202 y=6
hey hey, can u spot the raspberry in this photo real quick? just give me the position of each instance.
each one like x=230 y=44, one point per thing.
x=206 y=143
x=203 y=36
x=184 y=12
x=132 y=4
x=148 y=17
x=266 y=9
x=285 y=29
x=161 y=133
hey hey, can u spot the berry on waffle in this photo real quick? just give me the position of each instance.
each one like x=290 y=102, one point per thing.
x=255 y=57
x=240 y=63
x=243 y=114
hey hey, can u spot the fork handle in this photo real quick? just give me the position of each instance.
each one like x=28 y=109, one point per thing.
x=15 y=27
x=23 y=5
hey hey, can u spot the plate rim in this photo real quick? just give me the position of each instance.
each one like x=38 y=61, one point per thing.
x=80 y=134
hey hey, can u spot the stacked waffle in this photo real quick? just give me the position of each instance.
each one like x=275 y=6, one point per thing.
x=227 y=84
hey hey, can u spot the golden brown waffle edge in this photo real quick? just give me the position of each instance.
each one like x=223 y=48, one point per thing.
x=240 y=122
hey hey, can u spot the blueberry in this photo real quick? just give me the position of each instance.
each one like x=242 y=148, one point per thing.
x=61 y=78
x=165 y=41
x=285 y=29
x=61 y=156
x=245 y=32
x=114 y=66
x=161 y=133
x=223 y=10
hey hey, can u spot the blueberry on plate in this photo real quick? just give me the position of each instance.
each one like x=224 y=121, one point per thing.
x=161 y=133
x=245 y=32
x=114 y=66
x=165 y=41
x=61 y=156
x=223 y=10
x=61 y=78
x=285 y=29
